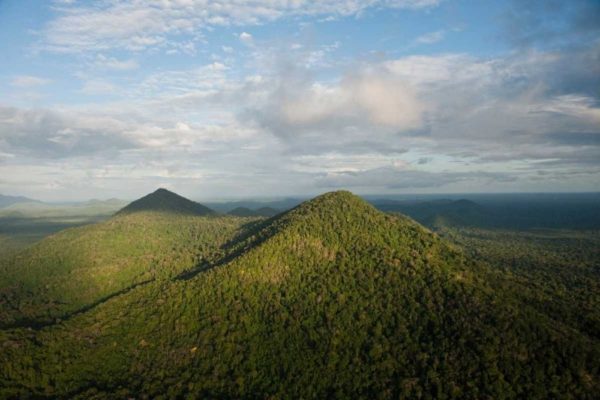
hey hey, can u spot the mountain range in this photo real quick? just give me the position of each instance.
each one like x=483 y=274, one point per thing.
x=6 y=201
x=331 y=299
x=259 y=212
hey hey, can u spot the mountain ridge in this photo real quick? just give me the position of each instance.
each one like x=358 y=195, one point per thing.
x=6 y=200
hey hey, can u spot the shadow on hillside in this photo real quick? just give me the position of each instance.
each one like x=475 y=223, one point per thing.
x=251 y=234
x=38 y=325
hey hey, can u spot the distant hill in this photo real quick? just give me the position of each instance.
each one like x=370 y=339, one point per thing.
x=267 y=211
x=243 y=212
x=77 y=267
x=165 y=201
x=504 y=212
x=332 y=299
x=438 y=212
x=247 y=212
x=6 y=201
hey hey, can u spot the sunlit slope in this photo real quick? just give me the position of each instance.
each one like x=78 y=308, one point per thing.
x=81 y=266
x=330 y=300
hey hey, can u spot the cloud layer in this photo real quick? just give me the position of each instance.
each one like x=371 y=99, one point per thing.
x=137 y=25
x=294 y=116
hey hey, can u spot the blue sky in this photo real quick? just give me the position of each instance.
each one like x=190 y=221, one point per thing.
x=266 y=98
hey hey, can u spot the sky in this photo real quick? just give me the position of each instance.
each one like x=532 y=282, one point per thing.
x=270 y=98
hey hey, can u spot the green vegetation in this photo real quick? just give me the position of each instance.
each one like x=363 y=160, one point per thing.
x=10 y=244
x=332 y=299
x=78 y=267
x=555 y=271
x=163 y=201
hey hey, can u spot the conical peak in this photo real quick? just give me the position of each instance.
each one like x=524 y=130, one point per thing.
x=162 y=192
x=165 y=201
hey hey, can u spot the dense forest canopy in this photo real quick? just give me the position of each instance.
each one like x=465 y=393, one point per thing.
x=333 y=298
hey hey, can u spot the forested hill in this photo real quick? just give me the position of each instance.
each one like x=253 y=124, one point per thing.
x=166 y=201
x=332 y=299
x=157 y=237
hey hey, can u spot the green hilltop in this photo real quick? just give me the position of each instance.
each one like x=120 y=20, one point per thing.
x=332 y=299
x=165 y=201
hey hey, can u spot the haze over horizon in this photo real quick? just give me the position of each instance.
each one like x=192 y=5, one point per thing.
x=257 y=98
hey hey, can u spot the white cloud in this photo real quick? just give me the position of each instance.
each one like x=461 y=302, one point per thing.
x=246 y=38
x=370 y=98
x=137 y=25
x=202 y=81
x=461 y=107
x=431 y=37
x=115 y=64
x=580 y=107
x=28 y=81
x=393 y=177
x=45 y=134
x=412 y=123
x=98 y=87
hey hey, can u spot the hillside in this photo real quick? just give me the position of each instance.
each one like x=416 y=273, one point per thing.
x=332 y=299
x=78 y=267
x=267 y=211
x=165 y=201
